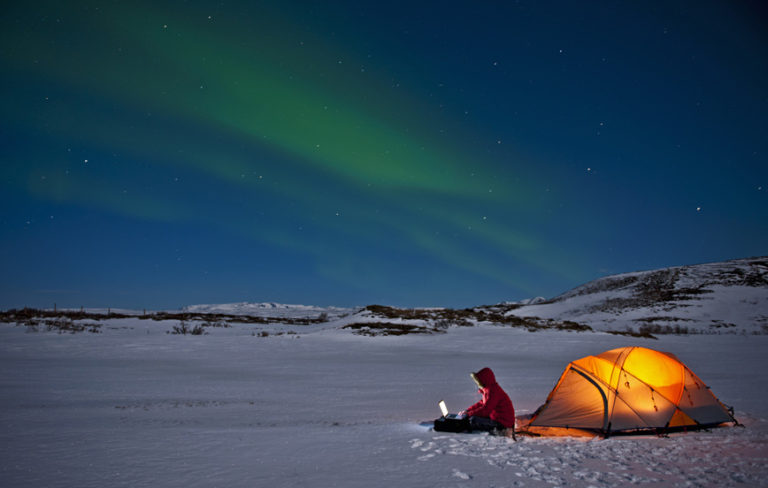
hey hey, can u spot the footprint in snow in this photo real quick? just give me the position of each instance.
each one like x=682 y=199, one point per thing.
x=461 y=475
x=426 y=448
x=419 y=444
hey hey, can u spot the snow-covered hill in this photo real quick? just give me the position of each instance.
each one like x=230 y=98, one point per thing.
x=270 y=309
x=716 y=298
x=730 y=296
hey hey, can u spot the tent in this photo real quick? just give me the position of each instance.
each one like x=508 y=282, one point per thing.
x=630 y=389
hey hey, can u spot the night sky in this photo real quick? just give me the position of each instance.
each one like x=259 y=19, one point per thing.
x=352 y=152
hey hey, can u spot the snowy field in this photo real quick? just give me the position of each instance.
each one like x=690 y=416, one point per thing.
x=136 y=407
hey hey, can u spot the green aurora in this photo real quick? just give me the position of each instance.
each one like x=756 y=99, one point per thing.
x=264 y=126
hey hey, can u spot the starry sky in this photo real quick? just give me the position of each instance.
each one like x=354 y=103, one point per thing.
x=161 y=154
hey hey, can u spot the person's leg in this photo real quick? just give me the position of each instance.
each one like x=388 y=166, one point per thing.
x=483 y=423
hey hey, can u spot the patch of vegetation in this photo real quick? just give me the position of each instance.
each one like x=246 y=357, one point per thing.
x=665 y=329
x=755 y=278
x=228 y=318
x=662 y=319
x=719 y=324
x=604 y=284
x=443 y=324
x=756 y=275
x=503 y=308
x=716 y=327
x=184 y=329
x=60 y=325
x=648 y=330
x=575 y=326
x=388 y=328
x=26 y=314
x=401 y=313
x=654 y=289
x=659 y=286
x=443 y=318
x=632 y=333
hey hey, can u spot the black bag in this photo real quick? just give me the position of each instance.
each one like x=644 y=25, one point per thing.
x=449 y=424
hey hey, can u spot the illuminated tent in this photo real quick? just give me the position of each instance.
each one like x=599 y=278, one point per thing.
x=625 y=390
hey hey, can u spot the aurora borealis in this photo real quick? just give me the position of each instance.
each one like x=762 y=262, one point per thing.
x=159 y=155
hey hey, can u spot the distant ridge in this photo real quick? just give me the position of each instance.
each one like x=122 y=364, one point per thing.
x=270 y=309
x=729 y=297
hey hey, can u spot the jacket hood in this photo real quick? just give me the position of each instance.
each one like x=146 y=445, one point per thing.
x=486 y=377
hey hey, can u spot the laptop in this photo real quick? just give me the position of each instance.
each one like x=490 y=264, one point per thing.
x=444 y=411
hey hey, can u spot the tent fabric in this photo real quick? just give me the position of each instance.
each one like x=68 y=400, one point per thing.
x=626 y=390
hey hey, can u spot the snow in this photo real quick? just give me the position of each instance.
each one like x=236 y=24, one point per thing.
x=136 y=406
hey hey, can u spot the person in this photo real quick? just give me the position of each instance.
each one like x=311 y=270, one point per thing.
x=494 y=412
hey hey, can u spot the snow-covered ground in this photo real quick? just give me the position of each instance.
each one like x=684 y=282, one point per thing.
x=134 y=406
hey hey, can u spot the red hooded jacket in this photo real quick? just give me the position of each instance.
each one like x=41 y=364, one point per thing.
x=495 y=404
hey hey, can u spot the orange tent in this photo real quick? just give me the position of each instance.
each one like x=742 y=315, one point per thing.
x=627 y=390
